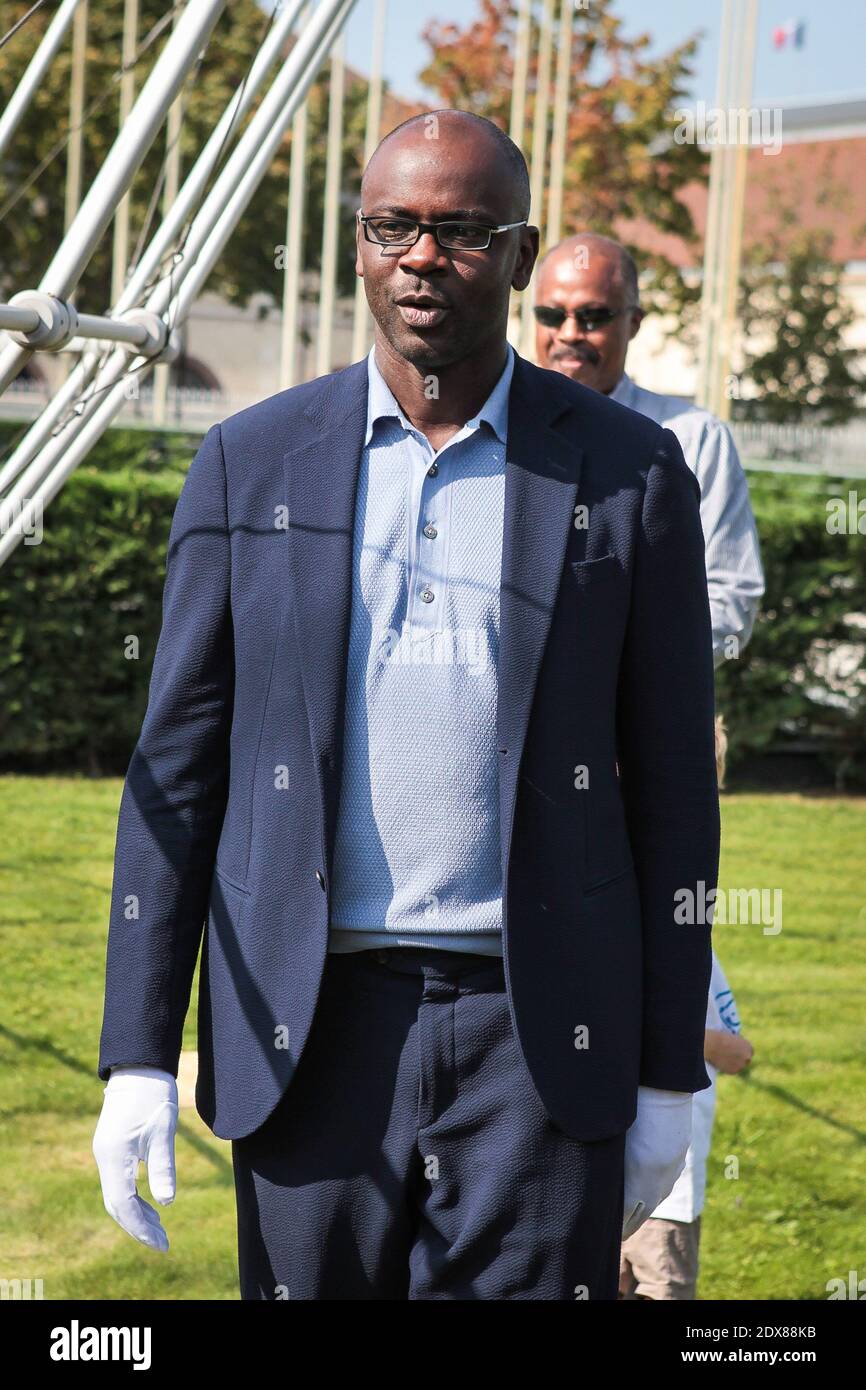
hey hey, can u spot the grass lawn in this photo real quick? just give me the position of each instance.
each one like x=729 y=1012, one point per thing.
x=794 y=1218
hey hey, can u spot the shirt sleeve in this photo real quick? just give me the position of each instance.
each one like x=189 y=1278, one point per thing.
x=735 y=577
x=722 y=1004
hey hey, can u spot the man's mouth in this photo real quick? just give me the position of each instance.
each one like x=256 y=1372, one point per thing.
x=422 y=310
x=575 y=361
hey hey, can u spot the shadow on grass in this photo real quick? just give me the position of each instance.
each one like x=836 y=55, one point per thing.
x=788 y=1098
x=44 y=1047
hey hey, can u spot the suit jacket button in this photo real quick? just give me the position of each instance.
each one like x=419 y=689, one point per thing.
x=320 y=878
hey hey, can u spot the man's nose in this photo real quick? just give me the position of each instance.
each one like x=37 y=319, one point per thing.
x=425 y=255
x=569 y=331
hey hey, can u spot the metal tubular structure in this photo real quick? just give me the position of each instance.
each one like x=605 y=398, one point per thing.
x=362 y=320
x=330 y=231
x=294 y=245
x=174 y=126
x=560 y=123
x=120 y=250
x=44 y=319
x=36 y=70
x=210 y=230
x=75 y=141
x=245 y=170
x=122 y=162
x=723 y=240
x=517 y=122
x=163 y=238
x=538 y=161
x=730 y=277
x=521 y=74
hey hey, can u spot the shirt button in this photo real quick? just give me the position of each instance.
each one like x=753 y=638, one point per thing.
x=430 y=532
x=432 y=470
x=427 y=595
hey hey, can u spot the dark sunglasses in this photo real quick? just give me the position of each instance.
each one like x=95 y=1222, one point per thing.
x=587 y=320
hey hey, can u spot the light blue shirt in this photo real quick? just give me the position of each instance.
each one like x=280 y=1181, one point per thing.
x=417 y=851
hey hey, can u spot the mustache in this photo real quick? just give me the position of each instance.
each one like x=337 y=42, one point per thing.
x=584 y=353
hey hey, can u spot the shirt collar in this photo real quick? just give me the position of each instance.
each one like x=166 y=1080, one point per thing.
x=381 y=401
x=622 y=390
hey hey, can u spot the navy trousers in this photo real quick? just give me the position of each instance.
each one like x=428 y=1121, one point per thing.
x=411 y=1158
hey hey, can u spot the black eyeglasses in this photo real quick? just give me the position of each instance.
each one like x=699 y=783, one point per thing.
x=587 y=320
x=453 y=236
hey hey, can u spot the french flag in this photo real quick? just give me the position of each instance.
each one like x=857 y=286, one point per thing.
x=792 y=32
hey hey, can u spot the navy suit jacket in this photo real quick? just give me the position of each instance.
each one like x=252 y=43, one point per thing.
x=226 y=828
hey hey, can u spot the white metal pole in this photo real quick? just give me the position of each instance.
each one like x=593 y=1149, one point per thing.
x=219 y=140
x=120 y=249
x=726 y=194
x=331 y=218
x=35 y=71
x=521 y=73
x=713 y=233
x=174 y=125
x=361 y=323
x=245 y=170
x=517 y=123
x=289 y=339
x=730 y=274
x=560 y=123
x=539 y=155
x=75 y=143
x=15 y=317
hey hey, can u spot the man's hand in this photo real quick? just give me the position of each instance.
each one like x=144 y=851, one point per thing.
x=729 y=1052
x=655 y=1152
x=138 y=1121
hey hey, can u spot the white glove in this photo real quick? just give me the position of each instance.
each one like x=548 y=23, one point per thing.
x=655 y=1152
x=138 y=1121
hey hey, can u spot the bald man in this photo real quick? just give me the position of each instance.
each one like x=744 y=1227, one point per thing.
x=587 y=312
x=414 y=762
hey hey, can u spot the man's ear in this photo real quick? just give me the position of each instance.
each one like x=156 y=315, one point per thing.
x=359 y=264
x=637 y=318
x=526 y=259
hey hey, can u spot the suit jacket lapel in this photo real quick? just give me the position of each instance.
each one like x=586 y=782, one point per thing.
x=321 y=476
x=541 y=479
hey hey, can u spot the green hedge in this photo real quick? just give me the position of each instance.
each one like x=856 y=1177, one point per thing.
x=70 y=698
x=776 y=694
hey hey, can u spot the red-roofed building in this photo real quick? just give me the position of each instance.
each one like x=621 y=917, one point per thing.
x=820 y=168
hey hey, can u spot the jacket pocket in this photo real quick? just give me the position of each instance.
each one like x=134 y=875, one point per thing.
x=608 y=880
x=230 y=882
x=595 y=571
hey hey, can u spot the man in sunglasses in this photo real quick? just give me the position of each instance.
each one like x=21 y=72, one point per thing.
x=428 y=754
x=587 y=312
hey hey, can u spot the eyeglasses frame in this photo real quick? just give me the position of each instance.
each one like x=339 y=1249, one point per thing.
x=433 y=228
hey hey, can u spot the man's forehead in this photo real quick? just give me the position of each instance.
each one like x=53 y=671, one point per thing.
x=420 y=172
x=581 y=267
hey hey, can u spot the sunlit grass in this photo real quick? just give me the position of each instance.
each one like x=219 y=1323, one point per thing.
x=795 y=1124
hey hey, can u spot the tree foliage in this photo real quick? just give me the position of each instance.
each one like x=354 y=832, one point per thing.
x=795 y=318
x=622 y=166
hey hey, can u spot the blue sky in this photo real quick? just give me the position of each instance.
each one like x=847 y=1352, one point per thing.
x=833 y=59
